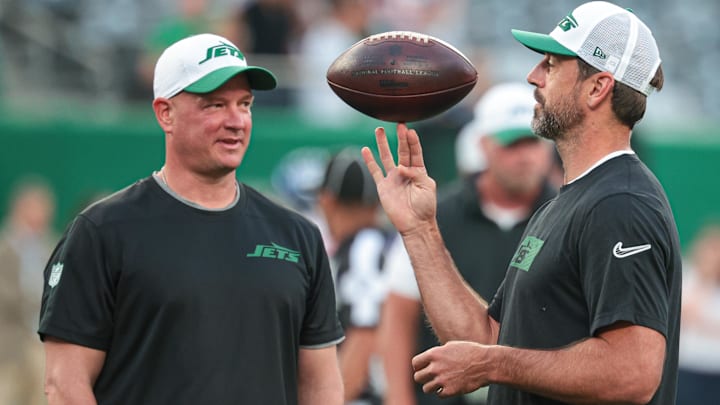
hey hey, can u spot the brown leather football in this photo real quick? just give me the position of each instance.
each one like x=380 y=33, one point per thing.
x=401 y=76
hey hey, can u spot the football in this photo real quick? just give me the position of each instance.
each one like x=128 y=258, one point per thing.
x=401 y=76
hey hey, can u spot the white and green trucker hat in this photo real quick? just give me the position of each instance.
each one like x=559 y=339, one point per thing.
x=202 y=63
x=606 y=36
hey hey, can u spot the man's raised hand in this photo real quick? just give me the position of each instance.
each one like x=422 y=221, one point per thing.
x=406 y=191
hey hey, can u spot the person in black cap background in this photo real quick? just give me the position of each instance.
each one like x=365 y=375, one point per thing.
x=348 y=200
x=189 y=287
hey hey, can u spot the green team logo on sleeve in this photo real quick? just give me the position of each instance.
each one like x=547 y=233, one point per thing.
x=525 y=255
x=275 y=251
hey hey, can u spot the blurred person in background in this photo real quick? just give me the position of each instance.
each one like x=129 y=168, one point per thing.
x=26 y=242
x=265 y=27
x=325 y=39
x=699 y=379
x=189 y=286
x=268 y=30
x=432 y=17
x=349 y=202
x=190 y=18
x=296 y=179
x=589 y=310
x=469 y=159
x=481 y=220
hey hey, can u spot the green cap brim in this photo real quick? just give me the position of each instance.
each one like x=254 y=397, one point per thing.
x=542 y=43
x=511 y=135
x=259 y=79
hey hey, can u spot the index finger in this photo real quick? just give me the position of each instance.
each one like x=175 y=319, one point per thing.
x=375 y=170
x=420 y=361
x=386 y=156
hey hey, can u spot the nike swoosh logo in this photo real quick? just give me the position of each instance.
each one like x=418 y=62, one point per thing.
x=620 y=252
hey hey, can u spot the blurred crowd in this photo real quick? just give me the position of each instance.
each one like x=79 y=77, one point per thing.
x=26 y=241
x=105 y=49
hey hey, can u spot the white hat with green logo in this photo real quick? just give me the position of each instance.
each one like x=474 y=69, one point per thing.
x=201 y=64
x=606 y=36
x=505 y=112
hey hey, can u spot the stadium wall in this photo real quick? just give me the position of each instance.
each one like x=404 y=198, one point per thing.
x=84 y=158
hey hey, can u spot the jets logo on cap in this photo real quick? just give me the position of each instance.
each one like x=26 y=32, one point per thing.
x=568 y=23
x=222 y=50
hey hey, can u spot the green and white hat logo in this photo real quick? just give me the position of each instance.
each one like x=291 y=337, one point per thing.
x=201 y=64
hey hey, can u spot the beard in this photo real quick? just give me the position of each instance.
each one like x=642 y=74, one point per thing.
x=555 y=121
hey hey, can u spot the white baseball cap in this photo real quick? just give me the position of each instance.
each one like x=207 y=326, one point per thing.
x=202 y=63
x=469 y=158
x=505 y=112
x=606 y=36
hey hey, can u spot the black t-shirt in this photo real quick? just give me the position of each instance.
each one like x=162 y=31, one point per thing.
x=480 y=249
x=605 y=250
x=191 y=306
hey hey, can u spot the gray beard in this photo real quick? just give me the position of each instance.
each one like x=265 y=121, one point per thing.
x=554 y=124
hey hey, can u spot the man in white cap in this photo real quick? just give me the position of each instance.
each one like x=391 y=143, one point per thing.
x=188 y=287
x=589 y=310
x=481 y=220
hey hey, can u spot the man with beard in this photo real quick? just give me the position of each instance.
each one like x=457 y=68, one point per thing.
x=589 y=309
x=481 y=219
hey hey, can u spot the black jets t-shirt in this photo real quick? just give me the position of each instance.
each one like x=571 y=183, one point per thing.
x=605 y=250
x=191 y=306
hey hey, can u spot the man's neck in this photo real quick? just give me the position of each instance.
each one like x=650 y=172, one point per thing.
x=206 y=191
x=583 y=148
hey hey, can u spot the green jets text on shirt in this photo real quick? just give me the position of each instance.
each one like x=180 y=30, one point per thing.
x=275 y=251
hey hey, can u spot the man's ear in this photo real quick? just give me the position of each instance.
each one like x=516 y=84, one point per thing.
x=487 y=145
x=325 y=201
x=163 y=113
x=600 y=89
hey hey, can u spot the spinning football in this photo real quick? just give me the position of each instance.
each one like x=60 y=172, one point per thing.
x=401 y=76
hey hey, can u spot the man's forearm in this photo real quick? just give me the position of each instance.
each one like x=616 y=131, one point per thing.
x=595 y=370
x=454 y=309
x=319 y=379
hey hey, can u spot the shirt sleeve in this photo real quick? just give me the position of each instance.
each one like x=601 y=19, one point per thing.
x=495 y=306
x=78 y=291
x=624 y=256
x=321 y=326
